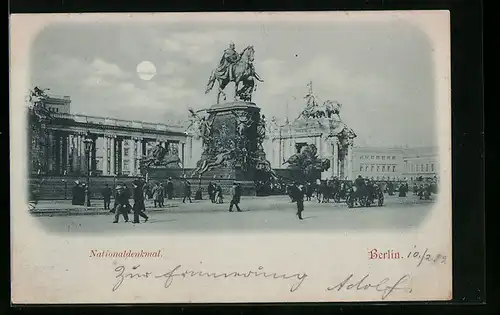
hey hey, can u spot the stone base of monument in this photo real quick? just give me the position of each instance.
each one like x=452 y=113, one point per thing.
x=234 y=132
x=227 y=176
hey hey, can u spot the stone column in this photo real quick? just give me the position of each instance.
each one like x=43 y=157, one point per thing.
x=140 y=155
x=78 y=155
x=183 y=154
x=69 y=158
x=144 y=146
x=105 y=156
x=119 y=156
x=64 y=153
x=56 y=153
x=112 y=157
x=335 y=158
x=72 y=153
x=349 y=162
x=93 y=155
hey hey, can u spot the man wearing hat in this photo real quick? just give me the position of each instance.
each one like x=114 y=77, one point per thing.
x=298 y=193
x=121 y=204
x=229 y=57
x=170 y=189
x=187 y=191
x=236 y=193
x=139 y=206
x=106 y=194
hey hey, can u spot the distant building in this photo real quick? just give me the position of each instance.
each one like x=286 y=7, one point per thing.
x=393 y=163
x=378 y=162
x=58 y=104
x=421 y=162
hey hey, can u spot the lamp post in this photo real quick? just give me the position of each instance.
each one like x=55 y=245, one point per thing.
x=65 y=186
x=88 y=146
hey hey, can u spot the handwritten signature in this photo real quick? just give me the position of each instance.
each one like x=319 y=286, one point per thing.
x=363 y=284
x=168 y=277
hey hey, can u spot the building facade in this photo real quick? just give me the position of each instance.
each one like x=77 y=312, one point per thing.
x=378 y=162
x=116 y=146
x=421 y=162
x=58 y=104
x=396 y=163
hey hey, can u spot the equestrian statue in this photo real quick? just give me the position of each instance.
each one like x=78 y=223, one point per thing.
x=238 y=68
x=159 y=157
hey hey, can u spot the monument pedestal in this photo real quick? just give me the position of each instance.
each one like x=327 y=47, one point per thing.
x=232 y=144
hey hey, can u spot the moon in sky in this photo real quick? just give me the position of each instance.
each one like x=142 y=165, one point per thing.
x=146 y=70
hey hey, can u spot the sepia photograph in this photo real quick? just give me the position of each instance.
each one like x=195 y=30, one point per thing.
x=236 y=157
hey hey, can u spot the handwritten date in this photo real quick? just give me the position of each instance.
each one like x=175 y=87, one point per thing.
x=426 y=256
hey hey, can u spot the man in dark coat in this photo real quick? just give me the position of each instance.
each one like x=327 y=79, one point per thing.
x=298 y=193
x=75 y=193
x=219 y=198
x=187 y=191
x=211 y=192
x=122 y=204
x=309 y=191
x=236 y=196
x=170 y=189
x=162 y=195
x=139 y=206
x=360 y=186
x=106 y=194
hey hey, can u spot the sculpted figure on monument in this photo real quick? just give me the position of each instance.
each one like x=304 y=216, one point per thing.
x=36 y=97
x=261 y=128
x=308 y=162
x=159 y=157
x=208 y=164
x=238 y=68
x=244 y=121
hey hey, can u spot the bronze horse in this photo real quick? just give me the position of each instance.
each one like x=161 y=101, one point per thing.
x=159 y=157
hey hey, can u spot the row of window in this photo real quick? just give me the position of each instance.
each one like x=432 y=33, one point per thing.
x=55 y=110
x=421 y=167
x=377 y=168
x=377 y=157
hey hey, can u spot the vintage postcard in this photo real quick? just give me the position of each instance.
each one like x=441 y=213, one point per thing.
x=230 y=157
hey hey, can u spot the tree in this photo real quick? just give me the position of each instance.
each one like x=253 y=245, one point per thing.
x=38 y=116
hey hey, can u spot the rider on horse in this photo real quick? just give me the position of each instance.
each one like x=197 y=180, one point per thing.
x=227 y=61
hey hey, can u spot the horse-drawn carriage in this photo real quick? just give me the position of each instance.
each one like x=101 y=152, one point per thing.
x=365 y=196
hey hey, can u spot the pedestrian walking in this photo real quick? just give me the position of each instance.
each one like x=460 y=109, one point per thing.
x=187 y=191
x=162 y=195
x=298 y=193
x=139 y=205
x=170 y=189
x=106 y=194
x=219 y=198
x=236 y=196
x=122 y=204
x=156 y=195
x=211 y=192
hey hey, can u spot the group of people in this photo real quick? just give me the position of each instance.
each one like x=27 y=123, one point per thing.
x=215 y=193
x=122 y=201
x=158 y=192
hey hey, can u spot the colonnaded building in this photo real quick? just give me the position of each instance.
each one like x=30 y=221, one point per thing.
x=118 y=145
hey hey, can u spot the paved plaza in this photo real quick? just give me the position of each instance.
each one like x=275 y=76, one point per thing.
x=259 y=214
